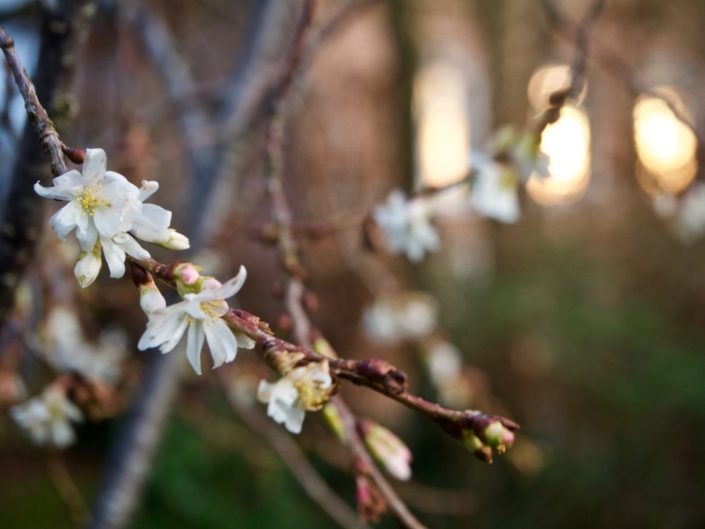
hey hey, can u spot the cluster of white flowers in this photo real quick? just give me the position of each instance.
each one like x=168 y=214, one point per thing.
x=302 y=389
x=409 y=316
x=108 y=214
x=406 y=225
x=48 y=417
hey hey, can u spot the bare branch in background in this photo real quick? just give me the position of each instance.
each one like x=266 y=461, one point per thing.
x=21 y=214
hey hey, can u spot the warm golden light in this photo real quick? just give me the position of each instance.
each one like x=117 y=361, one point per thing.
x=547 y=80
x=443 y=142
x=665 y=145
x=567 y=144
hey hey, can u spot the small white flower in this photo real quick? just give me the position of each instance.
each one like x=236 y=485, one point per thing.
x=303 y=389
x=444 y=362
x=47 y=418
x=201 y=313
x=494 y=190
x=103 y=207
x=409 y=316
x=406 y=226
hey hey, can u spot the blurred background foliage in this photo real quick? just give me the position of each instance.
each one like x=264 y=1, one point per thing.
x=585 y=318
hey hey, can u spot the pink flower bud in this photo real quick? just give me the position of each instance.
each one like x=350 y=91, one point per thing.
x=188 y=274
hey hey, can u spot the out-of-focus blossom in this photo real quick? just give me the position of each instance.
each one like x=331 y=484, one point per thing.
x=406 y=225
x=445 y=369
x=68 y=350
x=303 y=389
x=47 y=418
x=690 y=217
x=388 y=449
x=493 y=192
x=410 y=316
x=201 y=313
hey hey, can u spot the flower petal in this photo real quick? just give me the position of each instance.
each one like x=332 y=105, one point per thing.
x=231 y=286
x=66 y=219
x=149 y=187
x=162 y=325
x=94 y=166
x=130 y=246
x=115 y=257
x=221 y=342
x=154 y=217
x=194 y=345
x=70 y=179
x=87 y=235
x=56 y=192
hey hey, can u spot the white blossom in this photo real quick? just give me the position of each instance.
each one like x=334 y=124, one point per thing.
x=690 y=217
x=201 y=313
x=106 y=211
x=409 y=316
x=406 y=226
x=494 y=190
x=303 y=389
x=48 y=417
x=68 y=350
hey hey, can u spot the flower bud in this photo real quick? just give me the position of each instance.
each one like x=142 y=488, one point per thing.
x=388 y=449
x=176 y=241
x=371 y=504
x=151 y=298
x=187 y=273
x=475 y=445
x=87 y=267
x=497 y=436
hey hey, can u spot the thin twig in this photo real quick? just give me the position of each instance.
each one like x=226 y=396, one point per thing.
x=66 y=488
x=578 y=66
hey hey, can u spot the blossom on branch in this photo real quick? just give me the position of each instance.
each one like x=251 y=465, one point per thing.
x=48 y=417
x=201 y=313
x=107 y=212
x=494 y=189
x=303 y=389
x=407 y=226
